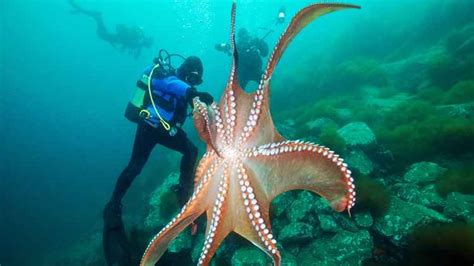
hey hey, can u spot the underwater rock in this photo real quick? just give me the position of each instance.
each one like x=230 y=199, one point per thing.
x=359 y=161
x=407 y=191
x=287 y=128
x=320 y=206
x=281 y=203
x=297 y=232
x=182 y=242
x=423 y=172
x=163 y=203
x=426 y=196
x=345 y=222
x=464 y=110
x=288 y=259
x=344 y=248
x=327 y=223
x=357 y=134
x=409 y=73
x=431 y=198
x=316 y=126
x=402 y=217
x=301 y=207
x=249 y=256
x=344 y=114
x=461 y=42
x=197 y=247
x=364 y=219
x=459 y=206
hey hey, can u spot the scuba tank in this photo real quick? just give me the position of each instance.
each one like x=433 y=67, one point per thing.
x=136 y=105
x=162 y=68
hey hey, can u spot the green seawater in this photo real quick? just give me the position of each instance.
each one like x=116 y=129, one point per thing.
x=389 y=87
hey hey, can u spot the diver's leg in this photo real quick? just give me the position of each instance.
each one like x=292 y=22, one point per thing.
x=182 y=144
x=116 y=248
x=142 y=147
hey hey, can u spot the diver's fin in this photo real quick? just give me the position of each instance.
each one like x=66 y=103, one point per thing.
x=116 y=247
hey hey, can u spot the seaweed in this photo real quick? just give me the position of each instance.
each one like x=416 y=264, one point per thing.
x=371 y=196
x=416 y=129
x=445 y=70
x=442 y=244
x=352 y=74
x=441 y=71
x=461 y=92
x=456 y=180
x=331 y=139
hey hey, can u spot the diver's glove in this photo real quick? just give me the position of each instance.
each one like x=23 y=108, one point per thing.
x=203 y=96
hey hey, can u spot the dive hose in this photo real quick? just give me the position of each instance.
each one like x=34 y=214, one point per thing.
x=165 y=124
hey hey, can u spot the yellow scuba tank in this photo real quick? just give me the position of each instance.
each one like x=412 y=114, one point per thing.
x=135 y=106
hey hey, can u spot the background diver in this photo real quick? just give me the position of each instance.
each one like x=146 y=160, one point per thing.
x=129 y=38
x=172 y=91
x=251 y=50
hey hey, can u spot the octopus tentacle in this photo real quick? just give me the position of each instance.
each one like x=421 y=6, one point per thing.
x=260 y=232
x=320 y=170
x=233 y=82
x=204 y=164
x=204 y=123
x=304 y=17
x=216 y=230
x=299 y=21
x=190 y=212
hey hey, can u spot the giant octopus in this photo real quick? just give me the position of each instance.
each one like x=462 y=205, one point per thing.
x=248 y=163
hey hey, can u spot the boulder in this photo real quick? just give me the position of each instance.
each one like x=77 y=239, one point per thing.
x=402 y=217
x=407 y=191
x=358 y=160
x=423 y=172
x=182 y=242
x=317 y=125
x=327 y=223
x=459 y=207
x=250 y=256
x=197 y=247
x=320 y=205
x=297 y=232
x=430 y=198
x=288 y=259
x=163 y=203
x=281 y=203
x=344 y=248
x=465 y=110
x=302 y=207
x=287 y=128
x=364 y=219
x=426 y=196
x=344 y=114
x=357 y=134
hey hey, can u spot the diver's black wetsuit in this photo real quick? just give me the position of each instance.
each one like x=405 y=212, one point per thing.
x=251 y=52
x=145 y=140
x=129 y=38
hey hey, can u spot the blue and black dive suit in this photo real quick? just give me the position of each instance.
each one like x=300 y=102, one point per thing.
x=171 y=96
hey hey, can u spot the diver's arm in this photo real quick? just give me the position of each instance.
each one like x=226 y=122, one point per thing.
x=263 y=48
x=203 y=96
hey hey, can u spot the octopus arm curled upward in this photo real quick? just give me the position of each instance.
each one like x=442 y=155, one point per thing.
x=248 y=163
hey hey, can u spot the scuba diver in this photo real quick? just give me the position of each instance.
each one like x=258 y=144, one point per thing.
x=159 y=107
x=251 y=50
x=281 y=16
x=130 y=38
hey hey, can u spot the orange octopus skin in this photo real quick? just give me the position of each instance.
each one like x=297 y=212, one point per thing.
x=248 y=163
